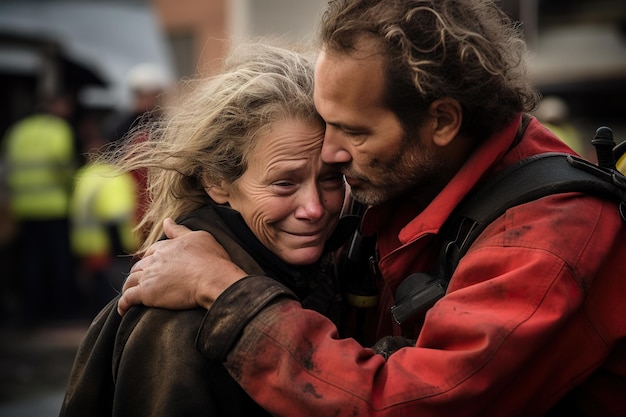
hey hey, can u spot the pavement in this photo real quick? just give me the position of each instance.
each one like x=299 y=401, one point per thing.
x=35 y=364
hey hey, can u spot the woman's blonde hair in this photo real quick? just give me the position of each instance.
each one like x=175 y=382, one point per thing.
x=206 y=134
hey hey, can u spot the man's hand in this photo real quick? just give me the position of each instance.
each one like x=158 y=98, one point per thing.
x=187 y=270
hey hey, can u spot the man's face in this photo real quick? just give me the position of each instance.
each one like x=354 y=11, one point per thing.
x=379 y=159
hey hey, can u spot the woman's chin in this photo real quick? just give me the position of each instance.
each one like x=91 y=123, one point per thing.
x=302 y=256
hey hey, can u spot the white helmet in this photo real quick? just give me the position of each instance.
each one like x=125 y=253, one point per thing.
x=148 y=77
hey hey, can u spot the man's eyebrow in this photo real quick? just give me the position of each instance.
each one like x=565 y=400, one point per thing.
x=345 y=126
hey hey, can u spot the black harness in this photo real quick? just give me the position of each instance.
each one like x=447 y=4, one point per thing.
x=530 y=179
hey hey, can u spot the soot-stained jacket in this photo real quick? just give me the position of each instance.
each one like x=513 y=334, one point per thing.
x=147 y=364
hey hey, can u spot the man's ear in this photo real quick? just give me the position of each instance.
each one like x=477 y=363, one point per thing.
x=447 y=116
x=219 y=193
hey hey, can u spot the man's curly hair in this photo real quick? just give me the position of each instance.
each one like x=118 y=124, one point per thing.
x=468 y=50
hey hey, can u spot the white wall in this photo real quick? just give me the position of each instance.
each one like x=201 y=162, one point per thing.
x=291 y=20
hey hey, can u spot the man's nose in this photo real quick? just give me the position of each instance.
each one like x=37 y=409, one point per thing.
x=333 y=149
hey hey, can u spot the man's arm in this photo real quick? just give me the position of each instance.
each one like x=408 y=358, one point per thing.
x=195 y=255
x=292 y=362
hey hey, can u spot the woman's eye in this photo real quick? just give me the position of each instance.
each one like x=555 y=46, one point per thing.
x=282 y=184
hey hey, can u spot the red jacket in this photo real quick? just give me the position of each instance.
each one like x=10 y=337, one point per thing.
x=535 y=314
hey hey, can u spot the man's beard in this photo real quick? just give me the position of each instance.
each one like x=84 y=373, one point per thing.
x=415 y=170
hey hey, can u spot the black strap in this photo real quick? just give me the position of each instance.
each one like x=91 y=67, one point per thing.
x=528 y=180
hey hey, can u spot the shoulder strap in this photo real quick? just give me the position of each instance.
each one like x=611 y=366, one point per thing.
x=528 y=180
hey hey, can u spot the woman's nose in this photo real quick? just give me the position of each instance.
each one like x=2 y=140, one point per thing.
x=310 y=204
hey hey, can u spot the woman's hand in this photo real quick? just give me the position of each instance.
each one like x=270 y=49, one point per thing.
x=187 y=270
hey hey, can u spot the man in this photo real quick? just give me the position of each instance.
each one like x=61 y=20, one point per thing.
x=102 y=218
x=148 y=84
x=553 y=112
x=423 y=101
x=41 y=158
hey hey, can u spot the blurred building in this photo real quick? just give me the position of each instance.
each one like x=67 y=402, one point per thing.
x=579 y=46
x=86 y=47
x=201 y=31
x=579 y=55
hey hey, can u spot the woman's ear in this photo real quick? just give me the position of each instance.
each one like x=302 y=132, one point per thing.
x=447 y=116
x=219 y=193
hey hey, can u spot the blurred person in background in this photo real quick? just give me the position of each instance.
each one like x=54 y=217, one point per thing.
x=620 y=151
x=102 y=214
x=41 y=159
x=148 y=84
x=553 y=112
x=9 y=285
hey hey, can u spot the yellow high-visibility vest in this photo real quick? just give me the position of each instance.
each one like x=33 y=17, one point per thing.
x=568 y=134
x=40 y=161
x=101 y=197
x=621 y=164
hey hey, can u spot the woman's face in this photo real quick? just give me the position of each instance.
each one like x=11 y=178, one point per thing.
x=288 y=197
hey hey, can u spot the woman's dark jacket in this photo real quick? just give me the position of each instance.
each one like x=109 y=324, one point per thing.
x=146 y=363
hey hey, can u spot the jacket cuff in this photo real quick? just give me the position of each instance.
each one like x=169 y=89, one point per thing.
x=233 y=310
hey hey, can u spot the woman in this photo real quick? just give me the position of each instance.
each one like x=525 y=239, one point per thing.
x=240 y=158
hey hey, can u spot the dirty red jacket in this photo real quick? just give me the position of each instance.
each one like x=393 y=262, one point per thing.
x=533 y=322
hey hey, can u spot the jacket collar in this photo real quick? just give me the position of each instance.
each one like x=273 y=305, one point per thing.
x=248 y=241
x=295 y=277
